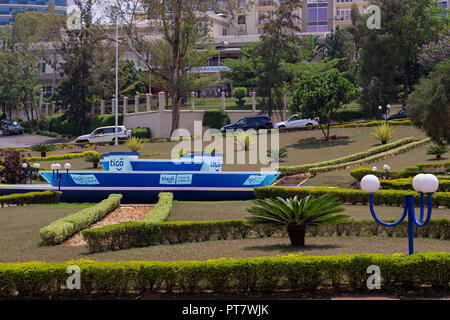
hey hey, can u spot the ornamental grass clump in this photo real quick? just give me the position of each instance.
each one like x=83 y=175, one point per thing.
x=134 y=144
x=437 y=151
x=43 y=148
x=384 y=133
x=296 y=214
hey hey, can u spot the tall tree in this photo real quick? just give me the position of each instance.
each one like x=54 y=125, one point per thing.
x=338 y=44
x=184 y=30
x=429 y=104
x=77 y=52
x=279 y=43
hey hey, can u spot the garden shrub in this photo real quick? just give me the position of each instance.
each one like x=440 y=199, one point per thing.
x=141 y=234
x=240 y=93
x=162 y=209
x=265 y=274
x=59 y=123
x=50 y=196
x=349 y=115
x=215 y=118
x=11 y=171
x=373 y=124
x=68 y=156
x=386 y=197
x=141 y=133
x=406 y=184
x=63 y=228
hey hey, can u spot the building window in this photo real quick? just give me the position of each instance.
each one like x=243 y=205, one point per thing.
x=241 y=19
x=224 y=31
x=343 y=14
x=317 y=16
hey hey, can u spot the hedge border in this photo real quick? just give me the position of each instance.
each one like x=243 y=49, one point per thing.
x=49 y=196
x=61 y=229
x=161 y=211
x=265 y=274
x=68 y=156
x=353 y=196
x=406 y=184
x=141 y=234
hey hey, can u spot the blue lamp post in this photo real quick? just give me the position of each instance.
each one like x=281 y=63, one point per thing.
x=31 y=172
x=385 y=174
x=388 y=110
x=422 y=183
x=56 y=167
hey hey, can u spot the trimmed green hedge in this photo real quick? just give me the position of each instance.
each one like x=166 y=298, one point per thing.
x=138 y=234
x=215 y=118
x=373 y=123
x=406 y=184
x=387 y=197
x=63 y=228
x=60 y=124
x=265 y=274
x=68 y=156
x=50 y=196
x=143 y=133
x=161 y=211
x=343 y=160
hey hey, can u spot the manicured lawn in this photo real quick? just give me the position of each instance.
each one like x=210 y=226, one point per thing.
x=19 y=234
x=199 y=211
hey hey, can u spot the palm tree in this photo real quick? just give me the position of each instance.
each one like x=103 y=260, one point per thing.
x=296 y=214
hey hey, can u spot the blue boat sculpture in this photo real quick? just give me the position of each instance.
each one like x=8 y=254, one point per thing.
x=193 y=177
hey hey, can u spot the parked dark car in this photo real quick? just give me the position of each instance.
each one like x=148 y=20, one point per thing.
x=401 y=114
x=250 y=122
x=10 y=127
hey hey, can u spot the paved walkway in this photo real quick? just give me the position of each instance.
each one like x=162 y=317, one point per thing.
x=27 y=140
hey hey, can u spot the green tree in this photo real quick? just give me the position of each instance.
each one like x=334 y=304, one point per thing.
x=429 y=104
x=77 y=52
x=338 y=44
x=296 y=214
x=10 y=87
x=322 y=95
x=184 y=31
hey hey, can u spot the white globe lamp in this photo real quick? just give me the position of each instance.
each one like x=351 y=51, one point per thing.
x=429 y=183
x=416 y=183
x=370 y=184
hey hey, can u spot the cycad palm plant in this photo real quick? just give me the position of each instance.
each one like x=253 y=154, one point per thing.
x=43 y=148
x=296 y=214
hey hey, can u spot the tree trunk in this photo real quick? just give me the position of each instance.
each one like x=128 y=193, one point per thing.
x=297 y=235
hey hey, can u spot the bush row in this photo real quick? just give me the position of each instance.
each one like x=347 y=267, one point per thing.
x=373 y=123
x=141 y=133
x=406 y=184
x=408 y=172
x=386 y=197
x=63 y=228
x=50 y=196
x=141 y=234
x=265 y=274
x=62 y=157
x=353 y=157
x=60 y=124
x=162 y=209
x=373 y=158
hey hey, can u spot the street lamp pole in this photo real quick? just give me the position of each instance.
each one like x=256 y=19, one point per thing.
x=116 y=142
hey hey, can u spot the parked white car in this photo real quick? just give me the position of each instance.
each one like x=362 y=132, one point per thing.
x=296 y=121
x=105 y=134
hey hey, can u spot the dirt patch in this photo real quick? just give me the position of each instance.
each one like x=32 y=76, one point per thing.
x=122 y=214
